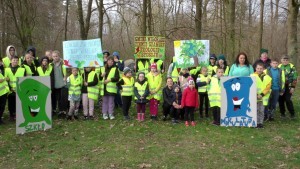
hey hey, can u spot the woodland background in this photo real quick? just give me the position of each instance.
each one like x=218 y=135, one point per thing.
x=230 y=25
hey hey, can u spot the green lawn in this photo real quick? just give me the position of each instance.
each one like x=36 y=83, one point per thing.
x=121 y=144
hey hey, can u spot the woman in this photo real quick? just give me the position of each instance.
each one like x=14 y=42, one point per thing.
x=241 y=67
x=264 y=59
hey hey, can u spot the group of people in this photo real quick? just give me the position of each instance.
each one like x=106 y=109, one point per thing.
x=115 y=85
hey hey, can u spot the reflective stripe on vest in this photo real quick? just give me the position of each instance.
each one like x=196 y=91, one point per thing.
x=111 y=87
x=127 y=88
x=93 y=91
x=3 y=86
x=214 y=93
x=75 y=87
x=141 y=88
x=154 y=82
x=261 y=85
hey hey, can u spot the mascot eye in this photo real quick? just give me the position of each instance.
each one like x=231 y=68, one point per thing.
x=233 y=87
x=237 y=86
x=30 y=98
x=35 y=97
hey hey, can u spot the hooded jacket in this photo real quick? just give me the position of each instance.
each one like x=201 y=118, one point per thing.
x=6 y=60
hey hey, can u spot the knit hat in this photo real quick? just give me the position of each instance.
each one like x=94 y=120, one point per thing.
x=153 y=65
x=105 y=52
x=221 y=57
x=262 y=50
x=212 y=56
x=127 y=70
x=116 y=54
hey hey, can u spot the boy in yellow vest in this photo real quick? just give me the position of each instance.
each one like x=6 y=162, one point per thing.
x=214 y=95
x=126 y=85
x=12 y=73
x=202 y=81
x=74 y=83
x=263 y=84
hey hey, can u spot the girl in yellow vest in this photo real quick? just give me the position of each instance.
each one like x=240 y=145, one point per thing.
x=46 y=70
x=3 y=92
x=155 y=82
x=12 y=73
x=263 y=84
x=110 y=77
x=74 y=83
x=202 y=82
x=141 y=92
x=214 y=96
x=29 y=65
x=90 y=92
x=126 y=85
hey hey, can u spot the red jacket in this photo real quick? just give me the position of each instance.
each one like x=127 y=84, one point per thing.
x=190 y=97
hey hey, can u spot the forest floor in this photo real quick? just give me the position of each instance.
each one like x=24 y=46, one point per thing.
x=159 y=144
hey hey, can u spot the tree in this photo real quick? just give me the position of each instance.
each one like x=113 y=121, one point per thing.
x=198 y=18
x=261 y=25
x=230 y=25
x=24 y=18
x=100 y=7
x=293 y=10
x=66 y=20
x=84 y=25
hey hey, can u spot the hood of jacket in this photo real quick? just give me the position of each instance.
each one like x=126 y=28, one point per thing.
x=7 y=51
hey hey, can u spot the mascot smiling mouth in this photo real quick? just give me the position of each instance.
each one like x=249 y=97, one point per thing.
x=34 y=112
x=237 y=103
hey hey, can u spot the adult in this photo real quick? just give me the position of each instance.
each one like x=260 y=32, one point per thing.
x=48 y=53
x=241 y=67
x=10 y=53
x=264 y=59
x=168 y=99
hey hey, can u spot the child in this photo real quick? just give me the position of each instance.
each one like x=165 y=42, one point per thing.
x=190 y=102
x=29 y=65
x=214 y=95
x=126 y=85
x=183 y=78
x=90 y=92
x=212 y=65
x=167 y=95
x=110 y=77
x=141 y=92
x=278 y=81
x=3 y=91
x=74 y=83
x=176 y=103
x=202 y=90
x=263 y=83
x=291 y=76
x=154 y=81
x=12 y=73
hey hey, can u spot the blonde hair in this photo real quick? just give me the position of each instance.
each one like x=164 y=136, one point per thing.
x=56 y=52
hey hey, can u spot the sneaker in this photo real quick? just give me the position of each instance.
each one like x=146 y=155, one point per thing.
x=154 y=118
x=111 y=117
x=91 y=117
x=105 y=117
x=215 y=123
x=193 y=123
x=85 y=117
x=173 y=121
x=164 y=118
x=186 y=123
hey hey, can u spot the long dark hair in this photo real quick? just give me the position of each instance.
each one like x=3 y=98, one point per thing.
x=246 y=59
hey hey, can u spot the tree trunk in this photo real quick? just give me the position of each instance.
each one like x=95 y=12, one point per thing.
x=66 y=19
x=84 y=25
x=100 y=7
x=293 y=8
x=144 y=18
x=230 y=19
x=198 y=19
x=150 y=19
x=261 y=25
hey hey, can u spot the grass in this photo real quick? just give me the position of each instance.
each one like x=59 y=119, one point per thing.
x=121 y=144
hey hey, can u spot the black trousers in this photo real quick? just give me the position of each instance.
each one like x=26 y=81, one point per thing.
x=189 y=113
x=216 y=114
x=203 y=97
x=11 y=98
x=286 y=99
x=59 y=97
x=2 y=104
x=166 y=109
x=175 y=113
x=126 y=104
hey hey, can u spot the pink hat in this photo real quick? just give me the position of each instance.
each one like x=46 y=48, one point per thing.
x=153 y=65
